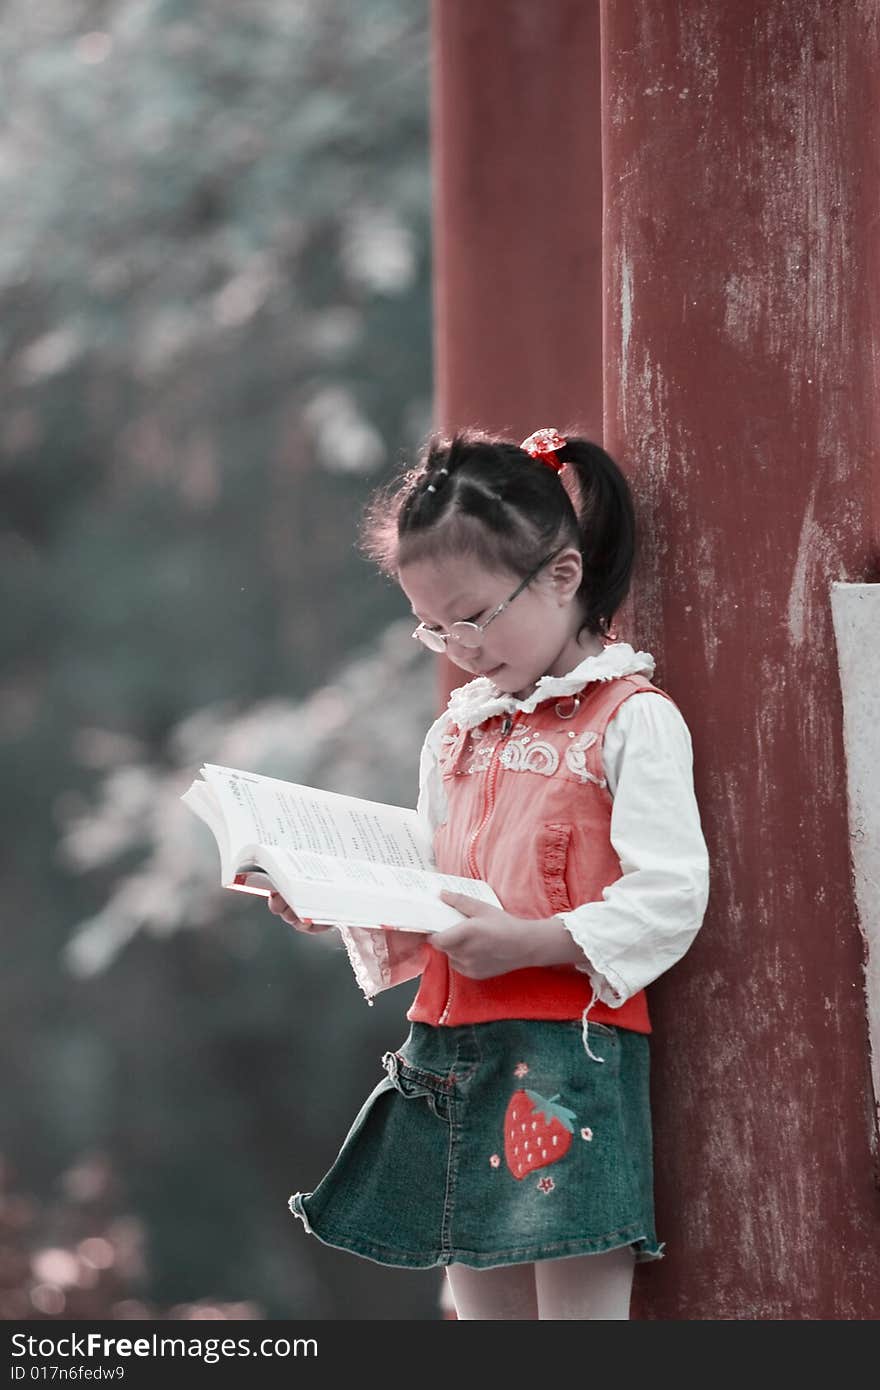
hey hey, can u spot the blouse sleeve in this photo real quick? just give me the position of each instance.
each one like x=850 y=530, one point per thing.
x=647 y=919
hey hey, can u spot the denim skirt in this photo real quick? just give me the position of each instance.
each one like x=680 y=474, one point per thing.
x=495 y=1143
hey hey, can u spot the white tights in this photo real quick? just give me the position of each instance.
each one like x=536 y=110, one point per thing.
x=580 y=1286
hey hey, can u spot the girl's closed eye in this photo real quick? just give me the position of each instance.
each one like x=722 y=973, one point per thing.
x=433 y=627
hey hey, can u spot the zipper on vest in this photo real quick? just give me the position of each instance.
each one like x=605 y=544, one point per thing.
x=489 y=803
x=449 y=988
x=471 y=859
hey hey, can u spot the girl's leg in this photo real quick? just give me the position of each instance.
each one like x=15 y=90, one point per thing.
x=508 y=1291
x=597 y=1287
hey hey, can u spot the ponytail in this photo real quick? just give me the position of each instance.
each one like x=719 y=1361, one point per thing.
x=606 y=521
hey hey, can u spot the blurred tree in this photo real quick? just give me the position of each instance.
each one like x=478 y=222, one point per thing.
x=215 y=328
x=78 y=1256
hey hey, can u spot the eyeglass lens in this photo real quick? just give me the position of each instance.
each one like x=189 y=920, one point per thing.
x=466 y=634
x=463 y=634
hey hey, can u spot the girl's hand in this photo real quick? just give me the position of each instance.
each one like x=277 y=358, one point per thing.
x=283 y=910
x=487 y=941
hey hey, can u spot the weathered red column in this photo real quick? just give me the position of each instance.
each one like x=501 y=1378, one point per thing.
x=741 y=190
x=517 y=171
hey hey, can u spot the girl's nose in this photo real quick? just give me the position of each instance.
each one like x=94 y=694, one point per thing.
x=469 y=661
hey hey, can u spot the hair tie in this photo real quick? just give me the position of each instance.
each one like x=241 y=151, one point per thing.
x=440 y=472
x=542 y=445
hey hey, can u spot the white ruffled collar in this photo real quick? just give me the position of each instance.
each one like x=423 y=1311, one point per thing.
x=479 y=700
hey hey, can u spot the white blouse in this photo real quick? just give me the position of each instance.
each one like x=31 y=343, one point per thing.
x=646 y=919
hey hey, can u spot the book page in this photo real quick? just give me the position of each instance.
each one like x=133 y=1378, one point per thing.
x=199 y=800
x=273 y=812
x=357 y=893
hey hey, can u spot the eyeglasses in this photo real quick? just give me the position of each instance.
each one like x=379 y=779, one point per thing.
x=469 y=634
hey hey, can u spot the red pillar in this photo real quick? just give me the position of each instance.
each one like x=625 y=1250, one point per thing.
x=517 y=173
x=740 y=146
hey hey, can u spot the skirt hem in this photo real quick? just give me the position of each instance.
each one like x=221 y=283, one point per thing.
x=646 y=1249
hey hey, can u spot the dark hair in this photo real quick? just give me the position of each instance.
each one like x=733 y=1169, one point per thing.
x=478 y=495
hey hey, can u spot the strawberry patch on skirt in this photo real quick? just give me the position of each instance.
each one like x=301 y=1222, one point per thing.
x=495 y=1143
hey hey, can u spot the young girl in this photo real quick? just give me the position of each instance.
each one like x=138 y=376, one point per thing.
x=511 y=1137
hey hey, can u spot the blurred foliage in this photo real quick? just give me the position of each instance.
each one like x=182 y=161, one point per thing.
x=78 y=1256
x=361 y=734
x=215 y=329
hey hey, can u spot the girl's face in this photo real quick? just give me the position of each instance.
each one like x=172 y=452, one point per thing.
x=535 y=636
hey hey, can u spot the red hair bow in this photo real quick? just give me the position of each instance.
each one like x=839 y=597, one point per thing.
x=542 y=445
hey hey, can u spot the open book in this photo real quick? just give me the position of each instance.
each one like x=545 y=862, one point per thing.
x=358 y=865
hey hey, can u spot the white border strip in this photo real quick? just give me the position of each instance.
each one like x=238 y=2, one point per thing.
x=855 y=609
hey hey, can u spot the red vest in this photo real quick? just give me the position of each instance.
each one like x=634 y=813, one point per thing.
x=530 y=812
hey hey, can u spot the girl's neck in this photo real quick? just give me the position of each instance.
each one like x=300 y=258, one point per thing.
x=572 y=654
x=575 y=651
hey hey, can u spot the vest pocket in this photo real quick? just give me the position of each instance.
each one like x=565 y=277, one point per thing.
x=553 y=842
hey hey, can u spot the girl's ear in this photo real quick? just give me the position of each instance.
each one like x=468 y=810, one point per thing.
x=565 y=573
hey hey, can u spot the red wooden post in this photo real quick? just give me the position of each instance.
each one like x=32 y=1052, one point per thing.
x=740 y=146
x=517 y=222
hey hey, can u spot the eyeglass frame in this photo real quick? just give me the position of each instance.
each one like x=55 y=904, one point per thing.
x=422 y=633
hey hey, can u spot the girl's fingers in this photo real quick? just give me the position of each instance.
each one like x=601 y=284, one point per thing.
x=463 y=902
x=282 y=909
